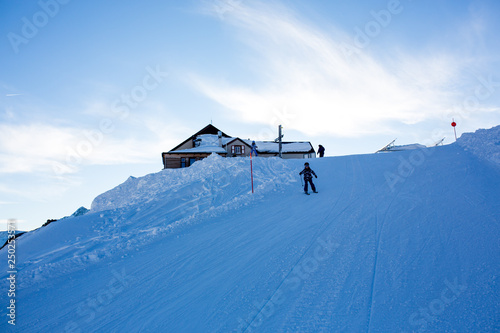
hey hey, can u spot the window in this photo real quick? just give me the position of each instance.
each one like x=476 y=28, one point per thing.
x=183 y=162
x=238 y=150
x=191 y=161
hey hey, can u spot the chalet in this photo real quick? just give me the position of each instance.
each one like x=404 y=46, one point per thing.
x=211 y=140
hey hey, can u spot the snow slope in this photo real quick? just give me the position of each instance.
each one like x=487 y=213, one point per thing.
x=4 y=236
x=403 y=242
x=483 y=143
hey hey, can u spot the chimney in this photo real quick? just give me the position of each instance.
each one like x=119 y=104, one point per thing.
x=219 y=134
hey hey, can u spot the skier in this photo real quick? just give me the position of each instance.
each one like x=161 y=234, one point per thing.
x=308 y=173
x=321 y=151
x=254 y=149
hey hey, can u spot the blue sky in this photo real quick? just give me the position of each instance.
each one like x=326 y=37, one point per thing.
x=92 y=92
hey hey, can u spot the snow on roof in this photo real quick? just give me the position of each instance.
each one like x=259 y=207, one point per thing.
x=287 y=147
x=211 y=140
x=203 y=149
x=209 y=143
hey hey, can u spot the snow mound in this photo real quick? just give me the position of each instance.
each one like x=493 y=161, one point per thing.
x=484 y=143
x=205 y=178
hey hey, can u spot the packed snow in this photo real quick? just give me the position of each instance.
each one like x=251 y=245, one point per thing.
x=483 y=143
x=401 y=242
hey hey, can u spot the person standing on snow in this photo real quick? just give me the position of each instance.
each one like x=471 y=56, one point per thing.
x=254 y=149
x=321 y=151
x=308 y=173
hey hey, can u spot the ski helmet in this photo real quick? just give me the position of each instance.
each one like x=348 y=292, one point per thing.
x=306 y=164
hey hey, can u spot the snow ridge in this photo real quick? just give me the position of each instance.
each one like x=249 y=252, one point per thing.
x=484 y=143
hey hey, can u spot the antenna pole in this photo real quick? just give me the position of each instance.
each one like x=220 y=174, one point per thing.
x=279 y=138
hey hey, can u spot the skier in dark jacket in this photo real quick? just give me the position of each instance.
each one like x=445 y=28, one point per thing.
x=308 y=173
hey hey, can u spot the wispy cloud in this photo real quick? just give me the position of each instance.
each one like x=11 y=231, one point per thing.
x=45 y=148
x=305 y=70
x=4 y=203
x=27 y=148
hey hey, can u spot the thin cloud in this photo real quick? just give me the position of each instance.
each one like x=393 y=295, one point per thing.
x=307 y=71
x=56 y=150
x=46 y=148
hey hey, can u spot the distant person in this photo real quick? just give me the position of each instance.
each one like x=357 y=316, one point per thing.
x=308 y=173
x=254 y=149
x=321 y=151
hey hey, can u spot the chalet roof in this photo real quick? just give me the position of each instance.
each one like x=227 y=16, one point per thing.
x=247 y=142
x=208 y=142
x=209 y=129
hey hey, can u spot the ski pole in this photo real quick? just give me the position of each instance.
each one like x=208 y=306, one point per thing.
x=301 y=182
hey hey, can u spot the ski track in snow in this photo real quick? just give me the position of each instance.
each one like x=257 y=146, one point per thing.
x=320 y=231
x=201 y=253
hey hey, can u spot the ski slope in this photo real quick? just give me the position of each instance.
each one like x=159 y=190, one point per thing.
x=397 y=242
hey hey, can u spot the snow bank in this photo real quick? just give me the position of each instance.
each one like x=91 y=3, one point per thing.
x=484 y=143
x=205 y=177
